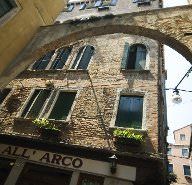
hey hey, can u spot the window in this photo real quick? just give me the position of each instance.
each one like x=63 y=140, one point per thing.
x=42 y=63
x=185 y=152
x=186 y=170
x=130 y=112
x=70 y=7
x=182 y=137
x=134 y=57
x=83 y=57
x=113 y=2
x=3 y=94
x=170 y=168
x=143 y=2
x=42 y=99
x=6 y=6
x=61 y=58
x=36 y=103
x=98 y=3
x=82 y=6
x=62 y=105
x=85 y=179
x=169 y=151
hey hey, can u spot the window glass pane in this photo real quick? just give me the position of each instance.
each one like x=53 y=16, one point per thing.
x=113 y=2
x=5 y=6
x=182 y=137
x=86 y=57
x=62 y=106
x=185 y=152
x=169 y=151
x=70 y=8
x=170 y=168
x=130 y=112
x=187 y=170
x=36 y=103
x=3 y=94
x=132 y=57
x=61 y=58
x=140 y=57
x=43 y=62
x=82 y=6
x=98 y=3
x=77 y=57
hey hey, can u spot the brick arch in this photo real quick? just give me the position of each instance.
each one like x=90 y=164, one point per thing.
x=169 y=26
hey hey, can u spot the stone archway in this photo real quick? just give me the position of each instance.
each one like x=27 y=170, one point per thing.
x=170 y=26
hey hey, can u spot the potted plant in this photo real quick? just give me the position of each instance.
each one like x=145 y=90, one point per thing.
x=47 y=130
x=128 y=137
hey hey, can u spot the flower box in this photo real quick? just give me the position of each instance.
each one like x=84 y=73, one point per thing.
x=127 y=141
x=50 y=134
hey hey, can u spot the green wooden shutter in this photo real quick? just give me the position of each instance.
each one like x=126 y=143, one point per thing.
x=125 y=56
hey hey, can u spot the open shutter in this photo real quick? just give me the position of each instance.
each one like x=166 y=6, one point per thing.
x=125 y=56
x=86 y=57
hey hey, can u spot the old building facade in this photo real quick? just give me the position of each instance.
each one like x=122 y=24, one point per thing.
x=179 y=155
x=87 y=89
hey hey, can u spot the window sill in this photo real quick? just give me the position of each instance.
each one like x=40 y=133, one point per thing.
x=112 y=128
x=135 y=71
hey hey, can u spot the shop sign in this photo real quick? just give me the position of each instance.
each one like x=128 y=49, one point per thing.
x=40 y=156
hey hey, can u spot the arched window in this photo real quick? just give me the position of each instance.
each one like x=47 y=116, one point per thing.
x=83 y=57
x=61 y=58
x=42 y=63
x=134 y=57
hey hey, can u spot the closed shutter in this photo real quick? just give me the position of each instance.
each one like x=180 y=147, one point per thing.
x=61 y=58
x=86 y=57
x=5 y=6
x=130 y=112
x=140 y=57
x=62 y=106
x=125 y=56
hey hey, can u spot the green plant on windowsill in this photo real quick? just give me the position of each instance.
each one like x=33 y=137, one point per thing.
x=47 y=130
x=45 y=124
x=128 y=136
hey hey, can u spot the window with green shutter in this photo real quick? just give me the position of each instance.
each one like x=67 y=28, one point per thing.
x=130 y=112
x=62 y=105
x=83 y=57
x=6 y=6
x=134 y=57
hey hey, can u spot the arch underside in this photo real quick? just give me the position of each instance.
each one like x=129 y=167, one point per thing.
x=168 y=26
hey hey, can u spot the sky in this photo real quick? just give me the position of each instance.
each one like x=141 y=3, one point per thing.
x=178 y=115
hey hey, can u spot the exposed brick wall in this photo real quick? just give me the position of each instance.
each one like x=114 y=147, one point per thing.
x=101 y=82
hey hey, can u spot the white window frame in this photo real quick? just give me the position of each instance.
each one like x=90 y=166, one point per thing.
x=182 y=152
x=9 y=15
x=129 y=92
x=170 y=152
x=75 y=68
x=183 y=168
x=55 y=99
x=28 y=99
x=172 y=165
x=181 y=137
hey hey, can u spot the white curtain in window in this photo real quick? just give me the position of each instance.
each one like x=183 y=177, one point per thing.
x=140 y=57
